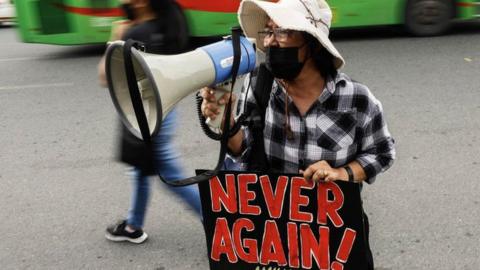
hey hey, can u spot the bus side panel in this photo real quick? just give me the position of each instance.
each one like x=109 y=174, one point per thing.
x=468 y=9
x=204 y=23
x=66 y=22
x=25 y=20
x=41 y=21
x=353 y=13
x=94 y=27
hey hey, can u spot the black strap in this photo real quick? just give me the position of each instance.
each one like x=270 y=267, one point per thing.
x=142 y=119
x=134 y=92
x=257 y=158
x=350 y=173
x=262 y=89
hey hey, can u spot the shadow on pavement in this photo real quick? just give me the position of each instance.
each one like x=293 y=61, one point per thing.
x=7 y=25
x=387 y=32
x=78 y=51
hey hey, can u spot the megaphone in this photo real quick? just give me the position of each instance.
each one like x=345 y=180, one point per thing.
x=164 y=80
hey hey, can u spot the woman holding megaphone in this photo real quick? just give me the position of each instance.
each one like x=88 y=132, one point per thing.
x=318 y=122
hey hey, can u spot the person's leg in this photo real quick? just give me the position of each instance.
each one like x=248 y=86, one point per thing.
x=168 y=163
x=139 y=199
x=131 y=228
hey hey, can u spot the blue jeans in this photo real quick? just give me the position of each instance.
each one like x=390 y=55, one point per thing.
x=168 y=165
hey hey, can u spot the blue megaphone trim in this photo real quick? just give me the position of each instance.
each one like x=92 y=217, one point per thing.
x=221 y=54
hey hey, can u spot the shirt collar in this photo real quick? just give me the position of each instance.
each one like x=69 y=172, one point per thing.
x=331 y=85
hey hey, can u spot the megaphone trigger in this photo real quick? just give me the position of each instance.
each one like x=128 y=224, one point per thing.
x=216 y=124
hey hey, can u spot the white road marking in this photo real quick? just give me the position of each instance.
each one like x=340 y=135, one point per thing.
x=20 y=59
x=29 y=86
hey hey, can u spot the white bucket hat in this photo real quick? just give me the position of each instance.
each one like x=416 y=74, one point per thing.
x=311 y=16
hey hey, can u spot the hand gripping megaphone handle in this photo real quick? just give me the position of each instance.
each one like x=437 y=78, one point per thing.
x=216 y=124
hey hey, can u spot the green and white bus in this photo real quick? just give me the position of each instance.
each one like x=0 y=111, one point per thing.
x=69 y=22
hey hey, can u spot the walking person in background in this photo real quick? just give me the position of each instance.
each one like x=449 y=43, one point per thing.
x=160 y=25
x=318 y=122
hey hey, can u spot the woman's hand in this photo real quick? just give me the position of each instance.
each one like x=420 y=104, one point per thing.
x=211 y=106
x=321 y=171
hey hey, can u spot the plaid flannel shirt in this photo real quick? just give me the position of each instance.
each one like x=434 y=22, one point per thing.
x=345 y=123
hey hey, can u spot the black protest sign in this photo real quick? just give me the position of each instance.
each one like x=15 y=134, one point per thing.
x=258 y=222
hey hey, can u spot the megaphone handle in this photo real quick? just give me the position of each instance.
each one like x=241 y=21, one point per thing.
x=216 y=124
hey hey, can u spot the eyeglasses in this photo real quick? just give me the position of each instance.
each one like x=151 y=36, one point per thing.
x=280 y=34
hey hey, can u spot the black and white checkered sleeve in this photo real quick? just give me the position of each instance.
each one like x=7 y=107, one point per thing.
x=377 y=152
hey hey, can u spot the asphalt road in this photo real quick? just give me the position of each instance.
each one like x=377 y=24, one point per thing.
x=60 y=185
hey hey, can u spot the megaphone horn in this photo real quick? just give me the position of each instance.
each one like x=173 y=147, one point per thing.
x=164 y=80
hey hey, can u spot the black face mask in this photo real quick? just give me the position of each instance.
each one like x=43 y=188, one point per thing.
x=283 y=62
x=128 y=10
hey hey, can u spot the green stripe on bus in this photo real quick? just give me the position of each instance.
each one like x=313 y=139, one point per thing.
x=202 y=23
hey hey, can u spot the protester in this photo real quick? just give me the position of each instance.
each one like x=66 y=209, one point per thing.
x=161 y=26
x=318 y=122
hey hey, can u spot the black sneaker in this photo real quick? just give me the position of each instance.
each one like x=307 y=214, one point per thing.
x=118 y=233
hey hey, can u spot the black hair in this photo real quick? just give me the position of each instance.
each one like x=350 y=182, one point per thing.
x=161 y=7
x=177 y=30
x=323 y=59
